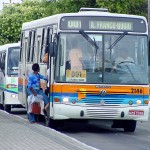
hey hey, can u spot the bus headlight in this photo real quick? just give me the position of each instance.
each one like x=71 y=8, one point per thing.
x=11 y=86
x=65 y=99
x=14 y=96
x=138 y=102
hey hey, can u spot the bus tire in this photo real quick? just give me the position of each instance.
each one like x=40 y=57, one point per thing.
x=129 y=126
x=1 y=107
x=53 y=123
x=49 y=122
x=7 y=108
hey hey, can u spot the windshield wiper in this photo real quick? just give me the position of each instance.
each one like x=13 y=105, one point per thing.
x=92 y=42
x=117 y=40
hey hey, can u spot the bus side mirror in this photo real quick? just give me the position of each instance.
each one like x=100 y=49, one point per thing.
x=52 y=49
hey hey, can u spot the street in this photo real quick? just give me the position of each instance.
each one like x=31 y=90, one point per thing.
x=105 y=138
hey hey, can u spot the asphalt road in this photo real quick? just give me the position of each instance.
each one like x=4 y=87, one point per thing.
x=105 y=138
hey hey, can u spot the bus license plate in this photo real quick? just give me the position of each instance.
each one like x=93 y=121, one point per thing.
x=136 y=112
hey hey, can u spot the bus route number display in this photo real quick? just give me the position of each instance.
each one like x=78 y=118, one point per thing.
x=76 y=75
x=74 y=24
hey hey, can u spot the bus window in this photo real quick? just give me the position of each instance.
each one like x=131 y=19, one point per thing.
x=26 y=47
x=42 y=45
x=3 y=61
x=38 y=47
x=29 y=46
x=33 y=47
x=21 y=45
x=13 y=60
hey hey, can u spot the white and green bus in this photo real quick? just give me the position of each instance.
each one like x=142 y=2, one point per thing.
x=9 y=58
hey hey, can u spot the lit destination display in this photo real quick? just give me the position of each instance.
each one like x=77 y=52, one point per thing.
x=110 y=25
x=74 y=24
x=101 y=23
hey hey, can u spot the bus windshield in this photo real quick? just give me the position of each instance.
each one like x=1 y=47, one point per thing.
x=80 y=60
x=13 y=60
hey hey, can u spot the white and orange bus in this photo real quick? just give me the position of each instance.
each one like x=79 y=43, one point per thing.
x=89 y=89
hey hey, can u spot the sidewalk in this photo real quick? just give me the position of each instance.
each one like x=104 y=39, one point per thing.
x=18 y=134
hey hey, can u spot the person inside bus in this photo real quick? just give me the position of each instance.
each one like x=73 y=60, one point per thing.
x=45 y=60
x=33 y=87
x=74 y=58
x=123 y=58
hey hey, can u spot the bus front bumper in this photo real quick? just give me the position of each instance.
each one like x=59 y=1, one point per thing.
x=69 y=111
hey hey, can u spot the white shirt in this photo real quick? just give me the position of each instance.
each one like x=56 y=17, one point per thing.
x=121 y=59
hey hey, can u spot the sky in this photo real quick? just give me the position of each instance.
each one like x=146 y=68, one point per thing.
x=7 y=1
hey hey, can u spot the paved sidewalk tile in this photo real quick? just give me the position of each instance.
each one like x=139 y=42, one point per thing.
x=18 y=134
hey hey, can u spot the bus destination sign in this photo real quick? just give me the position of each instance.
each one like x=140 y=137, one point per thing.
x=110 y=25
x=103 y=24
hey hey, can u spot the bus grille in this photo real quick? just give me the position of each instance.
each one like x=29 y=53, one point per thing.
x=103 y=100
x=101 y=113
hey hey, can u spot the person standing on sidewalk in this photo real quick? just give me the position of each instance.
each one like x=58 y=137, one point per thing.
x=33 y=87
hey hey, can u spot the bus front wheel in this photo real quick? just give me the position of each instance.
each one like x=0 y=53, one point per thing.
x=53 y=123
x=7 y=108
x=129 y=126
x=1 y=107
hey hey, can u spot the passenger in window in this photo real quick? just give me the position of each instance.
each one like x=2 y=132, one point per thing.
x=45 y=60
x=75 y=55
x=34 y=88
x=75 y=59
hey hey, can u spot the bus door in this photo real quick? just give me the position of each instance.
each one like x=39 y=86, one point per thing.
x=22 y=69
x=50 y=35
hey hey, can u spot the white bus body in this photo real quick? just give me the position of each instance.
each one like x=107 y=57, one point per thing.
x=9 y=58
x=93 y=92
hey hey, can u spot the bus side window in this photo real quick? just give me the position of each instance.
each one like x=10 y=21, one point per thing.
x=29 y=46
x=33 y=47
x=47 y=40
x=26 y=47
x=42 y=45
x=21 y=45
x=38 y=47
x=3 y=61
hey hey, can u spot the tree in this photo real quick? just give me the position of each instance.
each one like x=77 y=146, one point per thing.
x=135 y=7
x=13 y=16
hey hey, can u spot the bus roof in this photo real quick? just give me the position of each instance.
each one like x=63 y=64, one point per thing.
x=56 y=18
x=6 y=46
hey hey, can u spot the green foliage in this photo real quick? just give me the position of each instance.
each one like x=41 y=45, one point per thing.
x=13 y=16
x=135 y=7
